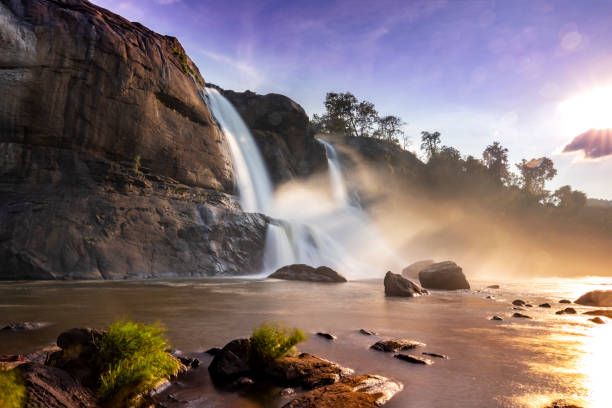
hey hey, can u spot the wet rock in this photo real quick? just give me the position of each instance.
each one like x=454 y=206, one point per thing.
x=52 y=387
x=545 y=305
x=565 y=301
x=496 y=318
x=436 y=355
x=518 y=308
x=518 y=302
x=78 y=354
x=412 y=271
x=395 y=345
x=413 y=359
x=397 y=285
x=301 y=272
x=596 y=298
x=606 y=313
x=23 y=326
x=287 y=391
x=367 y=332
x=493 y=287
x=242 y=382
x=327 y=336
x=491 y=297
x=521 y=316
x=528 y=305
x=231 y=362
x=567 y=310
x=563 y=403
x=443 y=275
x=597 y=320
x=364 y=391
x=306 y=371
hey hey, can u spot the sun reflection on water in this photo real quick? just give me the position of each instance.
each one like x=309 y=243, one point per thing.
x=596 y=364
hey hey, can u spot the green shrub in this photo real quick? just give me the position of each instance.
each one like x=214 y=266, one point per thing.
x=12 y=390
x=136 y=164
x=133 y=358
x=271 y=341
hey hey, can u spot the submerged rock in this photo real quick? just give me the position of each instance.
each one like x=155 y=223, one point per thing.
x=443 y=275
x=545 y=305
x=518 y=302
x=563 y=403
x=305 y=371
x=567 y=310
x=412 y=271
x=362 y=391
x=367 y=332
x=395 y=345
x=442 y=356
x=397 y=285
x=23 y=326
x=521 y=316
x=493 y=287
x=413 y=359
x=301 y=272
x=606 y=313
x=565 y=301
x=596 y=298
x=597 y=320
x=327 y=336
x=496 y=318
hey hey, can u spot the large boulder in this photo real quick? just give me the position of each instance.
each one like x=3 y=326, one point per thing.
x=602 y=298
x=412 y=270
x=443 y=275
x=397 y=285
x=306 y=371
x=301 y=272
x=231 y=363
x=361 y=391
x=395 y=345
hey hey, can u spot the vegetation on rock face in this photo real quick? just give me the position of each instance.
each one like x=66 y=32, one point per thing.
x=271 y=341
x=134 y=359
x=12 y=390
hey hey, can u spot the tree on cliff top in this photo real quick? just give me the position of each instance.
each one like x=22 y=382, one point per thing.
x=534 y=175
x=430 y=142
x=495 y=158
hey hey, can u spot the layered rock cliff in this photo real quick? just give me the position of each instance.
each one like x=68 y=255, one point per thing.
x=111 y=165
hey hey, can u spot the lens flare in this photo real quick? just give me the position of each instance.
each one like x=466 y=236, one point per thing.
x=590 y=110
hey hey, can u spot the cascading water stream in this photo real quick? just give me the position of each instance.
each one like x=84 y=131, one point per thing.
x=308 y=228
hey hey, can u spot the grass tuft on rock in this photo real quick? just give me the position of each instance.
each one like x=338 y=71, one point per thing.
x=134 y=360
x=271 y=341
x=12 y=389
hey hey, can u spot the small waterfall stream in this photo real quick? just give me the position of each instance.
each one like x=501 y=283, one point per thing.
x=309 y=228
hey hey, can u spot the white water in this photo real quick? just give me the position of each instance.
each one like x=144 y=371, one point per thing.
x=312 y=229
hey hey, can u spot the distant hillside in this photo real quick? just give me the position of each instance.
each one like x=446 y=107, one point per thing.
x=595 y=202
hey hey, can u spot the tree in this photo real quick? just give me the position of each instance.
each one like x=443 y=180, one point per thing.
x=495 y=158
x=534 y=175
x=390 y=128
x=430 y=142
x=346 y=114
x=570 y=200
x=450 y=153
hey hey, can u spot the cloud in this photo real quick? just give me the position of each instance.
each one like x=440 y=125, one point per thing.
x=595 y=144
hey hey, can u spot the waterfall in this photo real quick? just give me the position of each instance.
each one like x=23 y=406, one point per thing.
x=335 y=174
x=307 y=227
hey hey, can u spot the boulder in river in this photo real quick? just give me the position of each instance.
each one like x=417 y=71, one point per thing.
x=606 y=313
x=367 y=332
x=327 y=336
x=493 y=287
x=412 y=271
x=496 y=318
x=305 y=371
x=413 y=359
x=301 y=272
x=397 y=285
x=596 y=298
x=545 y=305
x=521 y=316
x=23 y=326
x=395 y=345
x=567 y=310
x=597 y=320
x=363 y=391
x=566 y=301
x=518 y=302
x=231 y=363
x=443 y=275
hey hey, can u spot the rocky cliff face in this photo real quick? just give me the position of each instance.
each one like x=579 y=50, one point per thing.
x=281 y=129
x=111 y=165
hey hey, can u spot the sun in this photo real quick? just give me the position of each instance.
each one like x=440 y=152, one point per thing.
x=589 y=110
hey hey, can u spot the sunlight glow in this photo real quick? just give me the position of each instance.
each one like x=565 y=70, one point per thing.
x=590 y=110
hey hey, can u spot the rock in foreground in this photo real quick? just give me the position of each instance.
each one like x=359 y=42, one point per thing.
x=443 y=275
x=301 y=272
x=596 y=298
x=397 y=285
x=306 y=371
x=412 y=271
x=395 y=345
x=362 y=391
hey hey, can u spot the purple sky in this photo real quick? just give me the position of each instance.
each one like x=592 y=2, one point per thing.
x=476 y=71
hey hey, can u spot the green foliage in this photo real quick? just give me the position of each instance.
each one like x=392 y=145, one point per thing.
x=136 y=164
x=12 y=390
x=133 y=358
x=430 y=142
x=271 y=341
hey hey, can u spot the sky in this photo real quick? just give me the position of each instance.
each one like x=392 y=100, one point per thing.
x=535 y=75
